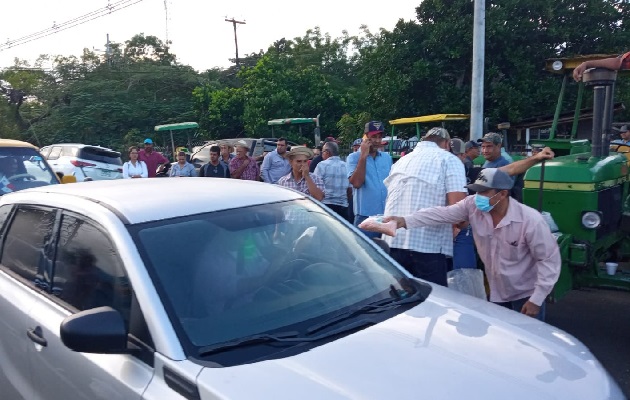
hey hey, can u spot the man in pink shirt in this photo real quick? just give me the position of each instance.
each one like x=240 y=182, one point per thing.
x=151 y=158
x=521 y=257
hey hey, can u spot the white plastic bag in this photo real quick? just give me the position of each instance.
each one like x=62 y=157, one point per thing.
x=549 y=220
x=376 y=224
x=468 y=281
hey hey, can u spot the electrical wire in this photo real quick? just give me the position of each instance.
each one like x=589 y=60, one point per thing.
x=110 y=8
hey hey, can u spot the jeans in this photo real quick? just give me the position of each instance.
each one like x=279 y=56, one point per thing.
x=360 y=218
x=428 y=266
x=517 y=305
x=464 y=255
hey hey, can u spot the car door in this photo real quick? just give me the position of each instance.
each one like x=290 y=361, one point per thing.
x=83 y=272
x=17 y=295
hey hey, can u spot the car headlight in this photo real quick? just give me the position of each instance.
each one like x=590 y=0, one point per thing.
x=591 y=219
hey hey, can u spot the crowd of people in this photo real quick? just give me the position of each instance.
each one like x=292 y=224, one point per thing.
x=447 y=211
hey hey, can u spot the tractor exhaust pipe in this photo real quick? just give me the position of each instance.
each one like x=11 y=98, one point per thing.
x=603 y=82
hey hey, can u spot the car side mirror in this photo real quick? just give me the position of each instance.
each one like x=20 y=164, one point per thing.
x=99 y=330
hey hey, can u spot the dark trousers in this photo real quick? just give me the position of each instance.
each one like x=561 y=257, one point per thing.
x=428 y=266
x=342 y=211
x=517 y=305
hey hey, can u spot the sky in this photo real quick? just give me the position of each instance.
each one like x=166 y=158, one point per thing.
x=198 y=31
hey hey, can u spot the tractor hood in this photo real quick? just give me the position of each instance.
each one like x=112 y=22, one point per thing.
x=581 y=168
x=436 y=350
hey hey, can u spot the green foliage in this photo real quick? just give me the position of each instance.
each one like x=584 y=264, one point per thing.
x=419 y=67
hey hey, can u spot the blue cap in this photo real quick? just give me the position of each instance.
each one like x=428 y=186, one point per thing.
x=357 y=142
x=374 y=127
x=148 y=141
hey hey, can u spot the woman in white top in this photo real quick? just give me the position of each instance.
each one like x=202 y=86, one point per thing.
x=134 y=168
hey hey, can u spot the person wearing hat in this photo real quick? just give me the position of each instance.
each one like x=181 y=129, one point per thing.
x=472 y=151
x=300 y=178
x=243 y=166
x=226 y=152
x=624 y=134
x=521 y=257
x=275 y=164
x=367 y=168
x=152 y=158
x=356 y=144
x=464 y=255
x=428 y=176
x=491 y=150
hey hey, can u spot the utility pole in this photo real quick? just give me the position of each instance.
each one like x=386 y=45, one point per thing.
x=479 y=44
x=234 y=22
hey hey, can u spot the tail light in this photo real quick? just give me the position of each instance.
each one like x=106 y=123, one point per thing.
x=80 y=164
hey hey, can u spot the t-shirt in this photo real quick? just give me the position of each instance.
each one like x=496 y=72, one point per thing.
x=152 y=160
x=221 y=170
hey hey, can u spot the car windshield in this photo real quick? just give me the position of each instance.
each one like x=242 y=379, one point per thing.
x=23 y=168
x=279 y=267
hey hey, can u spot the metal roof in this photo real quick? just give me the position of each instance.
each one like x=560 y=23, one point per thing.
x=429 y=118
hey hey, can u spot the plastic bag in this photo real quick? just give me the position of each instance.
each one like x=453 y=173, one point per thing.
x=468 y=281
x=376 y=224
x=549 y=220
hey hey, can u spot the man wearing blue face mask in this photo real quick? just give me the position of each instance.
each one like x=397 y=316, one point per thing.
x=521 y=256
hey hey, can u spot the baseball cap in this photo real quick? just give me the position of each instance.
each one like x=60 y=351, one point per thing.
x=491 y=137
x=491 y=178
x=470 y=144
x=374 y=127
x=440 y=132
x=357 y=142
x=457 y=146
x=622 y=129
x=148 y=141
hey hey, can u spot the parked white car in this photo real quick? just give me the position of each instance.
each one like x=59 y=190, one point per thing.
x=244 y=290
x=84 y=161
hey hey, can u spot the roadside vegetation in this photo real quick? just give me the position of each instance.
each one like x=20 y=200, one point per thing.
x=418 y=67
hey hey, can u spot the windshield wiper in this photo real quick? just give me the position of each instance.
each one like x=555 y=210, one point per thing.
x=253 y=339
x=372 y=308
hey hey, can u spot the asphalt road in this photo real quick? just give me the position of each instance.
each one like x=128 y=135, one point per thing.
x=599 y=319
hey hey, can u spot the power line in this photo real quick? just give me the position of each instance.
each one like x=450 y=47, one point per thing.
x=56 y=28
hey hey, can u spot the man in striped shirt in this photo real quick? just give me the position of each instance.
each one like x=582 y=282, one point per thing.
x=334 y=173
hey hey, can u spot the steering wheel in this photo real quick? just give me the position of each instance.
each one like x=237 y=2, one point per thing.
x=23 y=176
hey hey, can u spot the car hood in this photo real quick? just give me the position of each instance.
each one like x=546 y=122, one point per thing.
x=436 y=350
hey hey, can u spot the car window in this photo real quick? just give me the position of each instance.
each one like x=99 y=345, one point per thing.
x=235 y=273
x=55 y=152
x=100 y=155
x=69 y=151
x=87 y=270
x=45 y=151
x=4 y=213
x=27 y=238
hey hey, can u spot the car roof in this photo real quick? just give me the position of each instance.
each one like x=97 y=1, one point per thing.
x=16 y=143
x=81 y=145
x=143 y=200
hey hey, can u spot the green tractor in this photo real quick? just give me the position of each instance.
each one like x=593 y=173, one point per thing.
x=586 y=193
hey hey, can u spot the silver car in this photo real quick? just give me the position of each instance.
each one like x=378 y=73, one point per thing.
x=169 y=289
x=85 y=162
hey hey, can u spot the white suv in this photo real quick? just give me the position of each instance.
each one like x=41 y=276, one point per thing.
x=84 y=161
